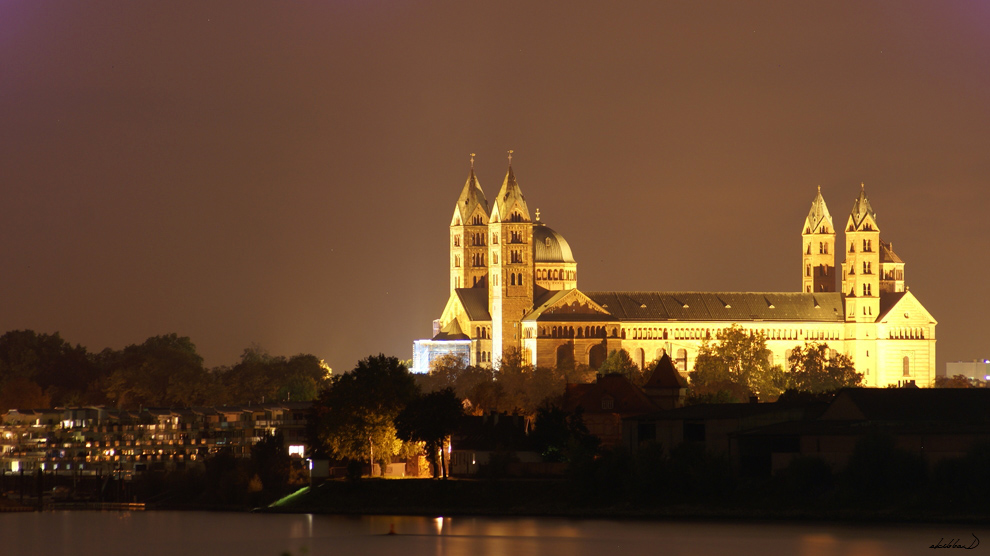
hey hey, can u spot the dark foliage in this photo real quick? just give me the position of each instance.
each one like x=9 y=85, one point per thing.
x=430 y=419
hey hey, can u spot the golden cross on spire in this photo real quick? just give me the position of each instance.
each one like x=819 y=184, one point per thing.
x=472 y=161
x=537 y=215
x=510 y=157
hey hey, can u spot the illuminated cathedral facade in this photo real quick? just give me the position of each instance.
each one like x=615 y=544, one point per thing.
x=514 y=286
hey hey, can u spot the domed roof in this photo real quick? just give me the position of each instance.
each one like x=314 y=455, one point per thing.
x=549 y=246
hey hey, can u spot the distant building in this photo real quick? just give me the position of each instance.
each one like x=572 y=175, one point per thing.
x=933 y=423
x=973 y=370
x=513 y=285
x=603 y=405
x=98 y=440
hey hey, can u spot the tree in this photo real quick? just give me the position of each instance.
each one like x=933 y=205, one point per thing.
x=162 y=371
x=957 y=381
x=445 y=372
x=262 y=377
x=64 y=373
x=430 y=419
x=560 y=436
x=619 y=362
x=23 y=393
x=511 y=376
x=355 y=417
x=813 y=370
x=736 y=365
x=272 y=463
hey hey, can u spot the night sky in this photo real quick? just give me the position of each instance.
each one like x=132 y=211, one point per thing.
x=283 y=174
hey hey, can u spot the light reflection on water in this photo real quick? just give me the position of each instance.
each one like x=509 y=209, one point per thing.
x=171 y=533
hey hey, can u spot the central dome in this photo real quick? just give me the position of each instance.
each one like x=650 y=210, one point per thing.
x=549 y=246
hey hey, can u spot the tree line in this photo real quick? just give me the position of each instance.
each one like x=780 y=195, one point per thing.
x=379 y=411
x=737 y=365
x=39 y=370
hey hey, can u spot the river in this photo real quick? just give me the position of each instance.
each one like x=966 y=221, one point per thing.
x=160 y=533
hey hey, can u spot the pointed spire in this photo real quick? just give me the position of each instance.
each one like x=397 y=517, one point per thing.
x=861 y=208
x=818 y=214
x=471 y=197
x=510 y=197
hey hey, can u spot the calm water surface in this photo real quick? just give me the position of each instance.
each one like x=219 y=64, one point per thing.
x=192 y=533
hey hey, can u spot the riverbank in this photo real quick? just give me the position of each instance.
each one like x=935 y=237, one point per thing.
x=548 y=498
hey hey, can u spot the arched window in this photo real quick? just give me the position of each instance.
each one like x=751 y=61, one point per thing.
x=640 y=358
x=826 y=248
x=519 y=279
x=681 y=362
x=807 y=270
x=512 y=279
x=821 y=248
x=907 y=366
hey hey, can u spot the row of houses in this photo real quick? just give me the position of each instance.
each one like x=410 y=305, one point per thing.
x=759 y=438
x=762 y=438
x=98 y=440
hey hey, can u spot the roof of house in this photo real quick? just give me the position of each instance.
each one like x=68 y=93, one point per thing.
x=700 y=412
x=956 y=405
x=665 y=376
x=627 y=398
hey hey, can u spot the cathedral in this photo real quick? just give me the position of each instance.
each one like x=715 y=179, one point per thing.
x=513 y=286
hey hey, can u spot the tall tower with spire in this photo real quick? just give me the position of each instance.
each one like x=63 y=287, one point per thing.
x=818 y=244
x=510 y=286
x=469 y=237
x=861 y=270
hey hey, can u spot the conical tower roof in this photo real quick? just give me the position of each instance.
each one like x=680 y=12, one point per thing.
x=861 y=209
x=665 y=376
x=471 y=196
x=818 y=214
x=510 y=197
